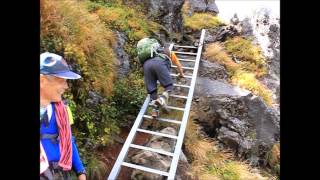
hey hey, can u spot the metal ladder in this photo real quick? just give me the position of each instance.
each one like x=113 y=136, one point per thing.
x=179 y=139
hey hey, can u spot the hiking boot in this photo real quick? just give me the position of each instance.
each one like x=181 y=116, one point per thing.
x=165 y=94
x=155 y=113
x=161 y=102
x=153 y=104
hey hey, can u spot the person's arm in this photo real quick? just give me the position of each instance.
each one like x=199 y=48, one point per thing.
x=82 y=177
x=76 y=162
x=44 y=164
x=176 y=62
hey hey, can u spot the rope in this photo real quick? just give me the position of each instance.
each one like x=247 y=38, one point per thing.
x=65 y=136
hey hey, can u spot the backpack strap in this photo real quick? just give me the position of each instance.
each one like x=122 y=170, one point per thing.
x=45 y=119
x=164 y=57
x=52 y=137
x=48 y=136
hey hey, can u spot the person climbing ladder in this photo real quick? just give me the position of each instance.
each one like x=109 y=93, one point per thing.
x=156 y=62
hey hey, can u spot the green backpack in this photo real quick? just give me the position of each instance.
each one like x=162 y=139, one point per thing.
x=147 y=48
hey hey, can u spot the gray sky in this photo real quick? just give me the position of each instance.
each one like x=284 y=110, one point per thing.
x=245 y=8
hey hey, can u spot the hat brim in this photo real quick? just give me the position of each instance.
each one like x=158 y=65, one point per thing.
x=67 y=75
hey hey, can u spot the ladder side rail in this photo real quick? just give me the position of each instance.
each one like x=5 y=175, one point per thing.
x=123 y=153
x=185 y=117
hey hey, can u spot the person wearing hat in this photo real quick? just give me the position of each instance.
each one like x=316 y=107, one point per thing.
x=59 y=152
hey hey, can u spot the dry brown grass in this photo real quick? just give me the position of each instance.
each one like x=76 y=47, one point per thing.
x=83 y=40
x=215 y=52
x=200 y=21
x=245 y=73
x=128 y=20
x=249 y=81
x=249 y=54
x=274 y=158
x=207 y=162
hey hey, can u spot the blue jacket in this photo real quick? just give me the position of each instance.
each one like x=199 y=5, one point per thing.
x=52 y=149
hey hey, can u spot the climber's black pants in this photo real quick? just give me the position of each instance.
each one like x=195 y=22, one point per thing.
x=157 y=69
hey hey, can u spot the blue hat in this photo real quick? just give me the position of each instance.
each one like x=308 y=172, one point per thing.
x=55 y=65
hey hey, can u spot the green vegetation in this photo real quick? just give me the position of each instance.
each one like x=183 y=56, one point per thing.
x=273 y=158
x=250 y=55
x=82 y=41
x=198 y=21
x=83 y=32
x=114 y=15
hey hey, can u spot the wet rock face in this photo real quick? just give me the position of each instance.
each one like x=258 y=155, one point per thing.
x=203 y=6
x=222 y=33
x=94 y=99
x=212 y=7
x=164 y=12
x=236 y=118
x=266 y=32
x=246 y=27
x=235 y=20
x=206 y=87
x=158 y=161
x=197 y=5
x=271 y=29
x=213 y=71
x=167 y=13
x=267 y=120
x=122 y=56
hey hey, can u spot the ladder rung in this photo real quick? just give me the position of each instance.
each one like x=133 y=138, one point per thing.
x=183 y=67
x=185 y=76
x=163 y=119
x=193 y=47
x=157 y=133
x=183 y=127
x=181 y=85
x=151 y=149
x=145 y=169
x=178 y=85
x=171 y=107
x=178 y=96
x=187 y=53
x=186 y=60
x=176 y=108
